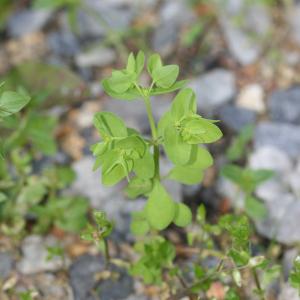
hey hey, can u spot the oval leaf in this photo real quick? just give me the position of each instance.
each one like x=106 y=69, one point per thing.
x=160 y=208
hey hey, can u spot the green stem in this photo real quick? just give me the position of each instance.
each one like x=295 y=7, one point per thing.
x=257 y=283
x=147 y=102
x=154 y=134
x=107 y=255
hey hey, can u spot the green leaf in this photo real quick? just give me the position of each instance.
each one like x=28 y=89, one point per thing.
x=40 y=130
x=201 y=214
x=160 y=208
x=232 y=295
x=270 y=275
x=255 y=208
x=183 y=104
x=183 y=215
x=177 y=150
x=12 y=102
x=115 y=174
x=200 y=159
x=99 y=148
x=60 y=176
x=131 y=66
x=192 y=171
x=246 y=179
x=163 y=123
x=139 y=224
x=104 y=225
x=134 y=145
x=130 y=94
x=186 y=175
x=145 y=167
x=136 y=65
x=154 y=63
x=3 y=197
x=294 y=277
x=121 y=81
x=138 y=186
x=109 y=125
x=140 y=62
x=72 y=213
x=165 y=76
x=176 y=86
x=260 y=176
x=238 y=147
x=30 y=195
x=198 y=130
x=238 y=228
x=240 y=258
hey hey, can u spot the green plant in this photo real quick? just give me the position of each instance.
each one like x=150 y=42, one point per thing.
x=24 y=194
x=294 y=277
x=237 y=148
x=98 y=232
x=248 y=180
x=124 y=153
x=10 y=104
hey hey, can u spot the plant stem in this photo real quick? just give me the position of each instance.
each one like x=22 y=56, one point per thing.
x=154 y=134
x=107 y=255
x=257 y=283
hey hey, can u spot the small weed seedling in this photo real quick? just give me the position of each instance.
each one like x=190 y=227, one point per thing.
x=294 y=277
x=124 y=153
x=10 y=103
x=24 y=194
x=248 y=180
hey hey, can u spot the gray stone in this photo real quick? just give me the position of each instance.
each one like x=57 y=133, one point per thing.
x=288 y=261
x=34 y=255
x=52 y=287
x=282 y=222
x=6 y=264
x=271 y=158
x=214 y=89
x=84 y=283
x=165 y=37
x=176 y=11
x=102 y=18
x=285 y=137
x=95 y=57
x=284 y=106
x=252 y=97
x=288 y=293
x=235 y=117
x=173 y=15
x=293 y=19
x=293 y=180
x=63 y=43
x=227 y=188
x=242 y=48
x=255 y=21
x=27 y=21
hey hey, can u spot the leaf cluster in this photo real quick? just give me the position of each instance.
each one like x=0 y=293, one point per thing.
x=248 y=180
x=157 y=255
x=125 y=153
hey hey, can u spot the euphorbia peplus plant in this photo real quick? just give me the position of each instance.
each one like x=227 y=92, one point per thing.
x=124 y=153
